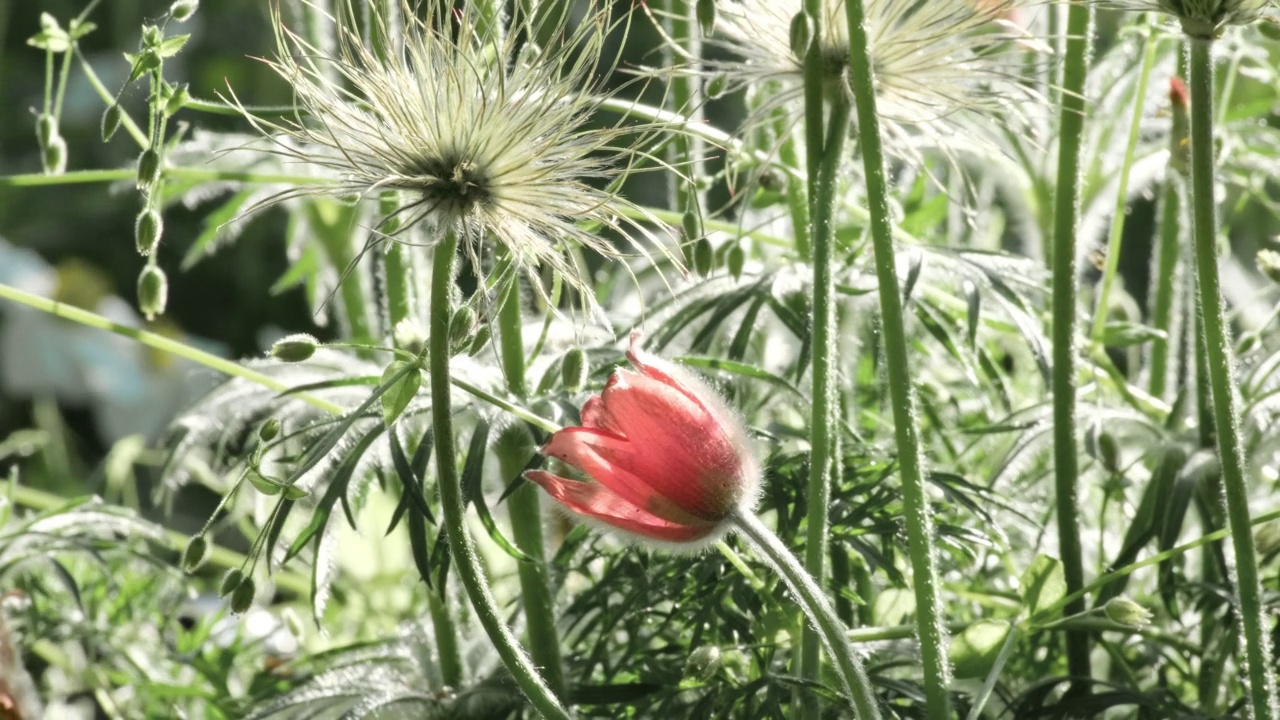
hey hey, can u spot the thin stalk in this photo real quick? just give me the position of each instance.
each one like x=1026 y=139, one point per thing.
x=933 y=642
x=461 y=546
x=525 y=510
x=822 y=444
x=808 y=660
x=398 y=266
x=1166 y=283
x=1152 y=44
x=797 y=199
x=446 y=632
x=1262 y=689
x=813 y=602
x=1065 y=228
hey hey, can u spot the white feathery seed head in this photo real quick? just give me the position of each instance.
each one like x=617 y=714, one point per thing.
x=931 y=59
x=1204 y=18
x=482 y=135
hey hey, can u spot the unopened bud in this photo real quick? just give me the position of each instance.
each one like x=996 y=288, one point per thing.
x=111 y=121
x=230 y=582
x=147 y=231
x=195 y=553
x=704 y=256
x=46 y=129
x=736 y=261
x=55 y=156
x=153 y=292
x=716 y=86
x=151 y=35
x=182 y=10
x=801 y=34
x=148 y=169
x=269 y=430
x=703 y=663
x=691 y=224
x=1179 y=97
x=573 y=370
x=1269 y=264
x=1109 y=451
x=242 y=596
x=178 y=100
x=294 y=348
x=462 y=326
x=706 y=10
x=1127 y=612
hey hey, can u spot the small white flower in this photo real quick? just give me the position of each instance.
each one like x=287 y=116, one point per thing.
x=484 y=136
x=931 y=60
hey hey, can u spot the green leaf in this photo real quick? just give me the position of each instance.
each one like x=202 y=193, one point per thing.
x=1043 y=584
x=51 y=36
x=1126 y=334
x=171 y=45
x=974 y=651
x=402 y=380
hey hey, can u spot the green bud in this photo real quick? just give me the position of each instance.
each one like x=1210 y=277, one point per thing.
x=178 y=99
x=478 y=343
x=462 y=326
x=736 y=261
x=703 y=257
x=294 y=348
x=242 y=596
x=147 y=231
x=801 y=34
x=691 y=224
x=269 y=430
x=230 y=582
x=55 y=156
x=1109 y=451
x=151 y=35
x=261 y=484
x=46 y=129
x=573 y=370
x=1127 y=612
x=182 y=10
x=1269 y=264
x=148 y=169
x=703 y=663
x=195 y=553
x=153 y=292
x=111 y=121
x=716 y=86
x=706 y=10
x=1248 y=343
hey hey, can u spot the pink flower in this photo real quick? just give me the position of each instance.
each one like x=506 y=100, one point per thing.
x=670 y=461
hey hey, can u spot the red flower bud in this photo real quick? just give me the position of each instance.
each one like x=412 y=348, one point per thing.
x=669 y=459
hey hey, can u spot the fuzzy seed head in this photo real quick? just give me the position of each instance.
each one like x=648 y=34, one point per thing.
x=1205 y=19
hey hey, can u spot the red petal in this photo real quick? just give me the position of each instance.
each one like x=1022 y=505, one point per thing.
x=595 y=416
x=598 y=502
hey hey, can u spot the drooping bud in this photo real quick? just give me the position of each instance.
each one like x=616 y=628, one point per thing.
x=55 y=156
x=573 y=370
x=147 y=231
x=1127 y=612
x=148 y=169
x=230 y=582
x=153 y=292
x=461 y=327
x=736 y=261
x=182 y=10
x=242 y=596
x=294 y=348
x=801 y=34
x=195 y=553
x=704 y=257
x=46 y=129
x=269 y=430
x=111 y=118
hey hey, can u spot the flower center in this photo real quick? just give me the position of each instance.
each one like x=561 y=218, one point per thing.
x=455 y=184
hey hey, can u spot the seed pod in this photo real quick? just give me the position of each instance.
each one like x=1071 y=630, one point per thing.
x=801 y=34
x=704 y=257
x=230 y=582
x=111 y=121
x=242 y=596
x=706 y=11
x=573 y=370
x=182 y=10
x=153 y=292
x=195 y=553
x=148 y=169
x=736 y=261
x=269 y=430
x=294 y=348
x=147 y=231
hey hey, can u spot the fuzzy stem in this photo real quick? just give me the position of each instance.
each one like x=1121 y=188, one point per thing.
x=446 y=640
x=933 y=643
x=454 y=511
x=823 y=419
x=1166 y=278
x=1152 y=44
x=1065 y=228
x=813 y=602
x=1262 y=689
x=525 y=510
x=797 y=201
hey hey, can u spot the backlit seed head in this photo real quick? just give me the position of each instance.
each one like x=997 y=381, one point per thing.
x=1127 y=612
x=148 y=169
x=153 y=292
x=147 y=231
x=194 y=555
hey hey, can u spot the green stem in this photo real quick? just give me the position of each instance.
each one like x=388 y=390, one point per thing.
x=397 y=264
x=1152 y=44
x=797 y=200
x=525 y=510
x=461 y=546
x=813 y=602
x=1166 y=283
x=1262 y=689
x=446 y=632
x=919 y=525
x=822 y=460
x=1065 y=226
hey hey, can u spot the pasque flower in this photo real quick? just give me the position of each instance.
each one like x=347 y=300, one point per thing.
x=668 y=460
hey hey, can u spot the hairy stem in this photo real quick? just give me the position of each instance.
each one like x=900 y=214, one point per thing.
x=1166 y=284
x=813 y=602
x=1262 y=689
x=1065 y=228
x=933 y=642
x=453 y=509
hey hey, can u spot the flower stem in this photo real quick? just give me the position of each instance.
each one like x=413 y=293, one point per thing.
x=525 y=510
x=461 y=546
x=919 y=525
x=446 y=632
x=1065 y=228
x=1262 y=689
x=1151 y=45
x=822 y=461
x=814 y=603
x=1166 y=283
